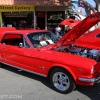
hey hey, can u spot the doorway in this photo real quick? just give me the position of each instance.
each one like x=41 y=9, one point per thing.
x=40 y=19
x=41 y=22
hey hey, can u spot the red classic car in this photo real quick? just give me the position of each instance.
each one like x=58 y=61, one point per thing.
x=91 y=39
x=2 y=29
x=64 y=63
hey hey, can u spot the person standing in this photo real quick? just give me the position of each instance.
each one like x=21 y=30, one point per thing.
x=57 y=32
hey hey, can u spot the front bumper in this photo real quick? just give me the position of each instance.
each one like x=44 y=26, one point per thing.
x=90 y=79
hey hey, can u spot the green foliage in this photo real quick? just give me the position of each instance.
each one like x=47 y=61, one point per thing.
x=71 y=10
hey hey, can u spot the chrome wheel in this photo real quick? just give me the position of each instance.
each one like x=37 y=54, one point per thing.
x=61 y=81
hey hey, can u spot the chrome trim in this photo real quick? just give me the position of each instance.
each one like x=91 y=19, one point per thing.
x=61 y=81
x=24 y=69
x=90 y=79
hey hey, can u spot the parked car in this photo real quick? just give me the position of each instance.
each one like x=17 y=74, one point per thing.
x=91 y=39
x=64 y=63
x=2 y=29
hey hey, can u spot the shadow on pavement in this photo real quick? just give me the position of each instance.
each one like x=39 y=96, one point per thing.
x=44 y=80
x=93 y=92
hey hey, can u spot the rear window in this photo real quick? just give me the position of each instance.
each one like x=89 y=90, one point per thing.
x=12 y=36
x=12 y=39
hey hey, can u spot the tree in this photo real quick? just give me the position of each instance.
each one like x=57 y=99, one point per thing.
x=88 y=7
x=97 y=5
x=71 y=13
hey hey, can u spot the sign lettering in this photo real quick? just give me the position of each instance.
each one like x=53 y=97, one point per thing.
x=10 y=8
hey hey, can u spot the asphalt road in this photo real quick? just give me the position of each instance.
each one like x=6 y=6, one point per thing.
x=20 y=85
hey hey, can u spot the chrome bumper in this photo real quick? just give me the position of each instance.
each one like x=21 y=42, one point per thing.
x=90 y=79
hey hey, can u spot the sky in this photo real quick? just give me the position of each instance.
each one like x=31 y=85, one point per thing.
x=89 y=1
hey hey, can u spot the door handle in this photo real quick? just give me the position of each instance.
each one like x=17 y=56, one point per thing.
x=3 y=47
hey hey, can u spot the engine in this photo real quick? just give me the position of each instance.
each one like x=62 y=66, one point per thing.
x=81 y=51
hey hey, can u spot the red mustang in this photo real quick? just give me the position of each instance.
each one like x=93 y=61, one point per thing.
x=91 y=39
x=63 y=63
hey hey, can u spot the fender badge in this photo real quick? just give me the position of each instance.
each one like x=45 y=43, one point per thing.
x=42 y=67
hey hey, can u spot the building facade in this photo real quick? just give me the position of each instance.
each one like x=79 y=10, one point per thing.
x=44 y=14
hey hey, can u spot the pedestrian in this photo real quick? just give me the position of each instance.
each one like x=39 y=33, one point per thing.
x=14 y=24
x=21 y=24
x=62 y=30
x=57 y=32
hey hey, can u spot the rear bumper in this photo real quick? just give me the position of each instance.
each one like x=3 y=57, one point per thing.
x=90 y=79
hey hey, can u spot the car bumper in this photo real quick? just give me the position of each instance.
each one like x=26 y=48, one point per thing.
x=90 y=79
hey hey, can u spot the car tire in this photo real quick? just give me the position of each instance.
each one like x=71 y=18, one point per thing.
x=62 y=81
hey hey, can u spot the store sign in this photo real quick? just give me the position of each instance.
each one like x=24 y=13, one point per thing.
x=40 y=14
x=10 y=8
x=54 y=18
x=15 y=14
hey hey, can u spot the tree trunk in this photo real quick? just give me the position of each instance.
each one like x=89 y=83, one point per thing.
x=97 y=8
x=88 y=7
x=87 y=11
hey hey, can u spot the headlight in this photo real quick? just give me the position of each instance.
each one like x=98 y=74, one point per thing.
x=92 y=69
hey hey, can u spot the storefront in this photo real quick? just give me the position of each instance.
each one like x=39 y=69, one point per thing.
x=50 y=16
x=15 y=15
x=40 y=19
x=17 y=10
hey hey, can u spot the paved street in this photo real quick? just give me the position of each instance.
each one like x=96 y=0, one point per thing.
x=20 y=85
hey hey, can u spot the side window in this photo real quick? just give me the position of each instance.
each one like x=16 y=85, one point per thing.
x=12 y=39
x=98 y=36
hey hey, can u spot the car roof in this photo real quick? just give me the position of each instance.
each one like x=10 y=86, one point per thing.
x=93 y=33
x=24 y=32
x=96 y=31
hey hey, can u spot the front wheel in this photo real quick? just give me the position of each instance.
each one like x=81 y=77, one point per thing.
x=62 y=81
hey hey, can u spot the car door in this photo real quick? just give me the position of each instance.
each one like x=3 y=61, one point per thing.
x=17 y=54
x=2 y=55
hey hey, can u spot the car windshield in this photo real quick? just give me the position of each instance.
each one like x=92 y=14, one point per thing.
x=39 y=39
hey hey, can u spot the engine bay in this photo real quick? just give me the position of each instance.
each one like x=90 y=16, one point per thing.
x=81 y=51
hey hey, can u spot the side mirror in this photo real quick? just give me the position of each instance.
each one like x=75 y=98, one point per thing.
x=21 y=45
x=3 y=43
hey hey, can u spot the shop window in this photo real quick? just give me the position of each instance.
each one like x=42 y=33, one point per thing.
x=54 y=18
x=20 y=20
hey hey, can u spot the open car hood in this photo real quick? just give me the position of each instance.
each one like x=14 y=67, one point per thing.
x=78 y=30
